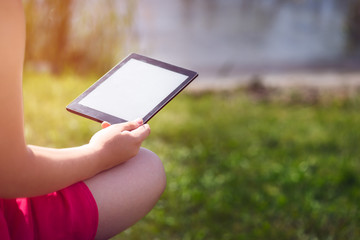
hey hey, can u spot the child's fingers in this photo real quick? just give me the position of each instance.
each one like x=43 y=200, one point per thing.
x=105 y=124
x=141 y=132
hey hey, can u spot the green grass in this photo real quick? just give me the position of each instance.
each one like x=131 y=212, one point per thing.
x=237 y=168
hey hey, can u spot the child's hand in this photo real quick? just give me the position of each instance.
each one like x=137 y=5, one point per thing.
x=119 y=142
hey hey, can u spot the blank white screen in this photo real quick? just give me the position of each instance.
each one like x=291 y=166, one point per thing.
x=133 y=90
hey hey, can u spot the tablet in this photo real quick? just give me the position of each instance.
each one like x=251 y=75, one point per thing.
x=137 y=87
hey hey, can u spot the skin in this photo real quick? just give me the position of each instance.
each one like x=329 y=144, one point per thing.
x=125 y=179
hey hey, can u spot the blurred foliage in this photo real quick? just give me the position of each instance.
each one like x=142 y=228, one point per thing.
x=239 y=165
x=245 y=169
x=91 y=36
x=353 y=27
x=85 y=36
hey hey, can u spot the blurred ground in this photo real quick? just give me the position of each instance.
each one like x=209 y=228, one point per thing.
x=293 y=80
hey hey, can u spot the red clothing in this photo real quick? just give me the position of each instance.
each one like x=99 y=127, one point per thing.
x=68 y=214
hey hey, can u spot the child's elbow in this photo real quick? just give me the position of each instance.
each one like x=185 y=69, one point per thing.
x=13 y=172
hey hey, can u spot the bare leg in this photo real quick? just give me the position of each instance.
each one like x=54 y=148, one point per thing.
x=126 y=193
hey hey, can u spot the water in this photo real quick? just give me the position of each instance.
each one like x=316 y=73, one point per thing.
x=227 y=37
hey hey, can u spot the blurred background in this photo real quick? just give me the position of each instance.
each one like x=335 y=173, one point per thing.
x=217 y=38
x=262 y=145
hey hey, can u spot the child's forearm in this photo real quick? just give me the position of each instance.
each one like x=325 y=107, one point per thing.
x=31 y=170
x=44 y=170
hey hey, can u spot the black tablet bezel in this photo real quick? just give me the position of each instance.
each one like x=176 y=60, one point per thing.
x=77 y=108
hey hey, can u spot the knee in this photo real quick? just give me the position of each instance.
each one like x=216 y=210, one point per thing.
x=155 y=168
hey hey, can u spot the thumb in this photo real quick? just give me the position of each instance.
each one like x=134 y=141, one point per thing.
x=129 y=126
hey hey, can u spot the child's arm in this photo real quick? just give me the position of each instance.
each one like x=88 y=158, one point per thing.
x=29 y=170
x=45 y=170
